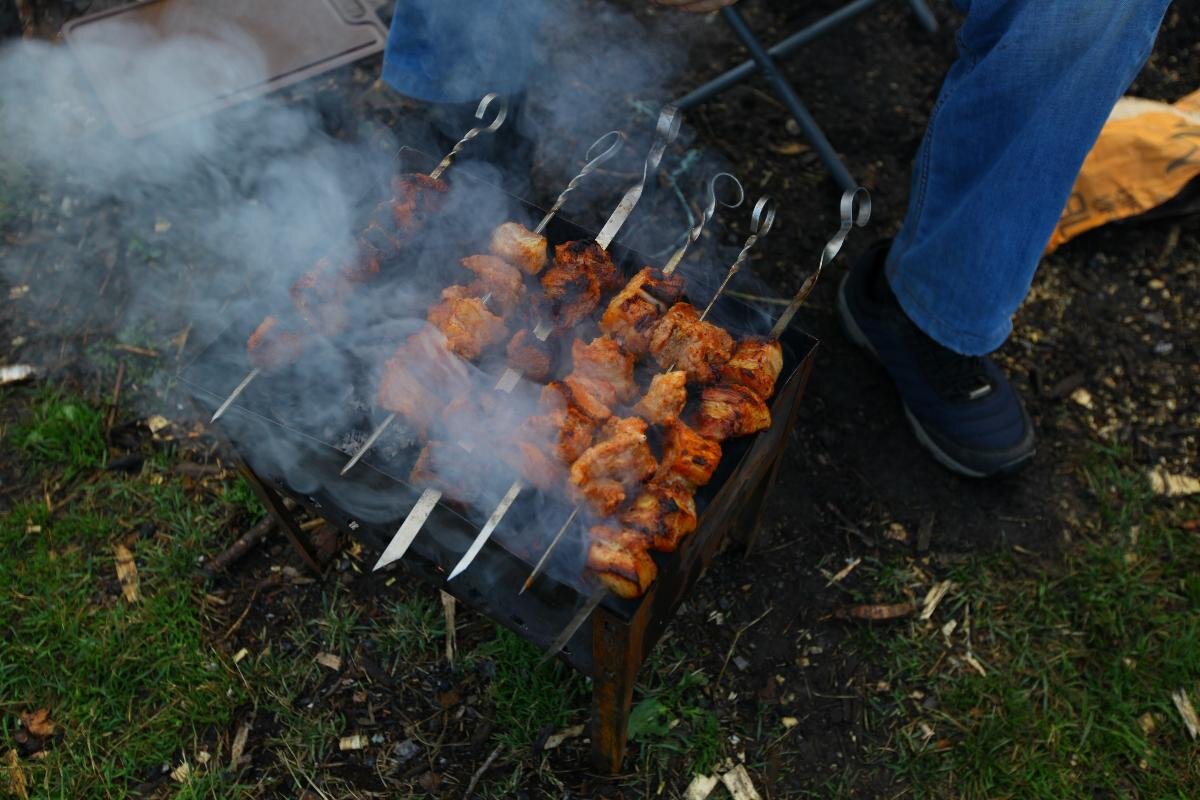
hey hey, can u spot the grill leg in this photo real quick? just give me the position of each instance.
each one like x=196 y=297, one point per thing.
x=617 y=655
x=274 y=503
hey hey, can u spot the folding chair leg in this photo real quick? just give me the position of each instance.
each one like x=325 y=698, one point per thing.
x=924 y=15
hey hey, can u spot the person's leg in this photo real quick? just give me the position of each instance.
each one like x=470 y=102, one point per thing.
x=1018 y=112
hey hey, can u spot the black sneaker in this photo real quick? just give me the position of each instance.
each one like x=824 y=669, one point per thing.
x=962 y=408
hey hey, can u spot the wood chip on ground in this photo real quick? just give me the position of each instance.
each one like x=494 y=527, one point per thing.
x=127 y=574
x=1184 y=704
x=738 y=782
x=701 y=787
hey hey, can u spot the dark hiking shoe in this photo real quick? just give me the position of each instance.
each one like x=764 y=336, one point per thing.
x=962 y=408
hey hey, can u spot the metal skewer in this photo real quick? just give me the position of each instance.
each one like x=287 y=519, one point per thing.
x=601 y=151
x=858 y=198
x=485 y=103
x=710 y=210
x=761 y=220
x=237 y=390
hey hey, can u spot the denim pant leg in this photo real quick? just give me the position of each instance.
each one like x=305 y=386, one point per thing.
x=1018 y=112
x=454 y=51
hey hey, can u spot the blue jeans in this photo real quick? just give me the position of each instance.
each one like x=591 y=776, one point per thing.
x=1018 y=112
x=454 y=51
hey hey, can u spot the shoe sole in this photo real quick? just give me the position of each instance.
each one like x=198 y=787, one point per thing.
x=851 y=329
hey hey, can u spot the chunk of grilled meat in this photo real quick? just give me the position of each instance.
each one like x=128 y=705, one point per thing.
x=698 y=348
x=602 y=360
x=420 y=378
x=594 y=398
x=535 y=466
x=633 y=313
x=664 y=399
x=607 y=470
x=379 y=242
x=573 y=284
x=496 y=277
x=620 y=560
x=563 y=428
x=272 y=345
x=687 y=455
x=414 y=199
x=320 y=297
x=520 y=247
x=466 y=323
x=665 y=511
x=532 y=358
x=560 y=393
x=730 y=409
x=756 y=364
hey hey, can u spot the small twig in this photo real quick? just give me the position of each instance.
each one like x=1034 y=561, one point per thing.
x=733 y=644
x=116 y=400
x=236 y=551
x=479 y=772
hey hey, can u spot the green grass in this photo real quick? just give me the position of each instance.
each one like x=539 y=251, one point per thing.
x=133 y=686
x=1080 y=657
x=64 y=433
x=669 y=724
x=526 y=697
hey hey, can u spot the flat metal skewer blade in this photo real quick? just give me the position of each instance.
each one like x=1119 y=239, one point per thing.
x=594 y=599
x=369 y=443
x=241 y=387
x=665 y=132
x=400 y=543
x=485 y=532
x=541 y=564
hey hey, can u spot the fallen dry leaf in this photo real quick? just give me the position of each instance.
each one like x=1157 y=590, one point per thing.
x=157 y=423
x=896 y=532
x=14 y=782
x=330 y=661
x=1082 y=397
x=789 y=722
x=127 y=574
x=1172 y=485
x=788 y=148
x=38 y=723
x=1184 y=704
x=738 y=782
x=1147 y=723
x=881 y=611
x=556 y=739
x=701 y=787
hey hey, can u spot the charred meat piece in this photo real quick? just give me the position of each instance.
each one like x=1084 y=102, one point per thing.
x=602 y=360
x=558 y=394
x=496 y=277
x=272 y=346
x=664 y=399
x=320 y=297
x=634 y=312
x=665 y=511
x=420 y=378
x=414 y=199
x=466 y=323
x=536 y=468
x=730 y=409
x=698 y=348
x=532 y=358
x=687 y=455
x=756 y=364
x=573 y=284
x=520 y=247
x=620 y=560
x=607 y=470
x=563 y=428
x=594 y=398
